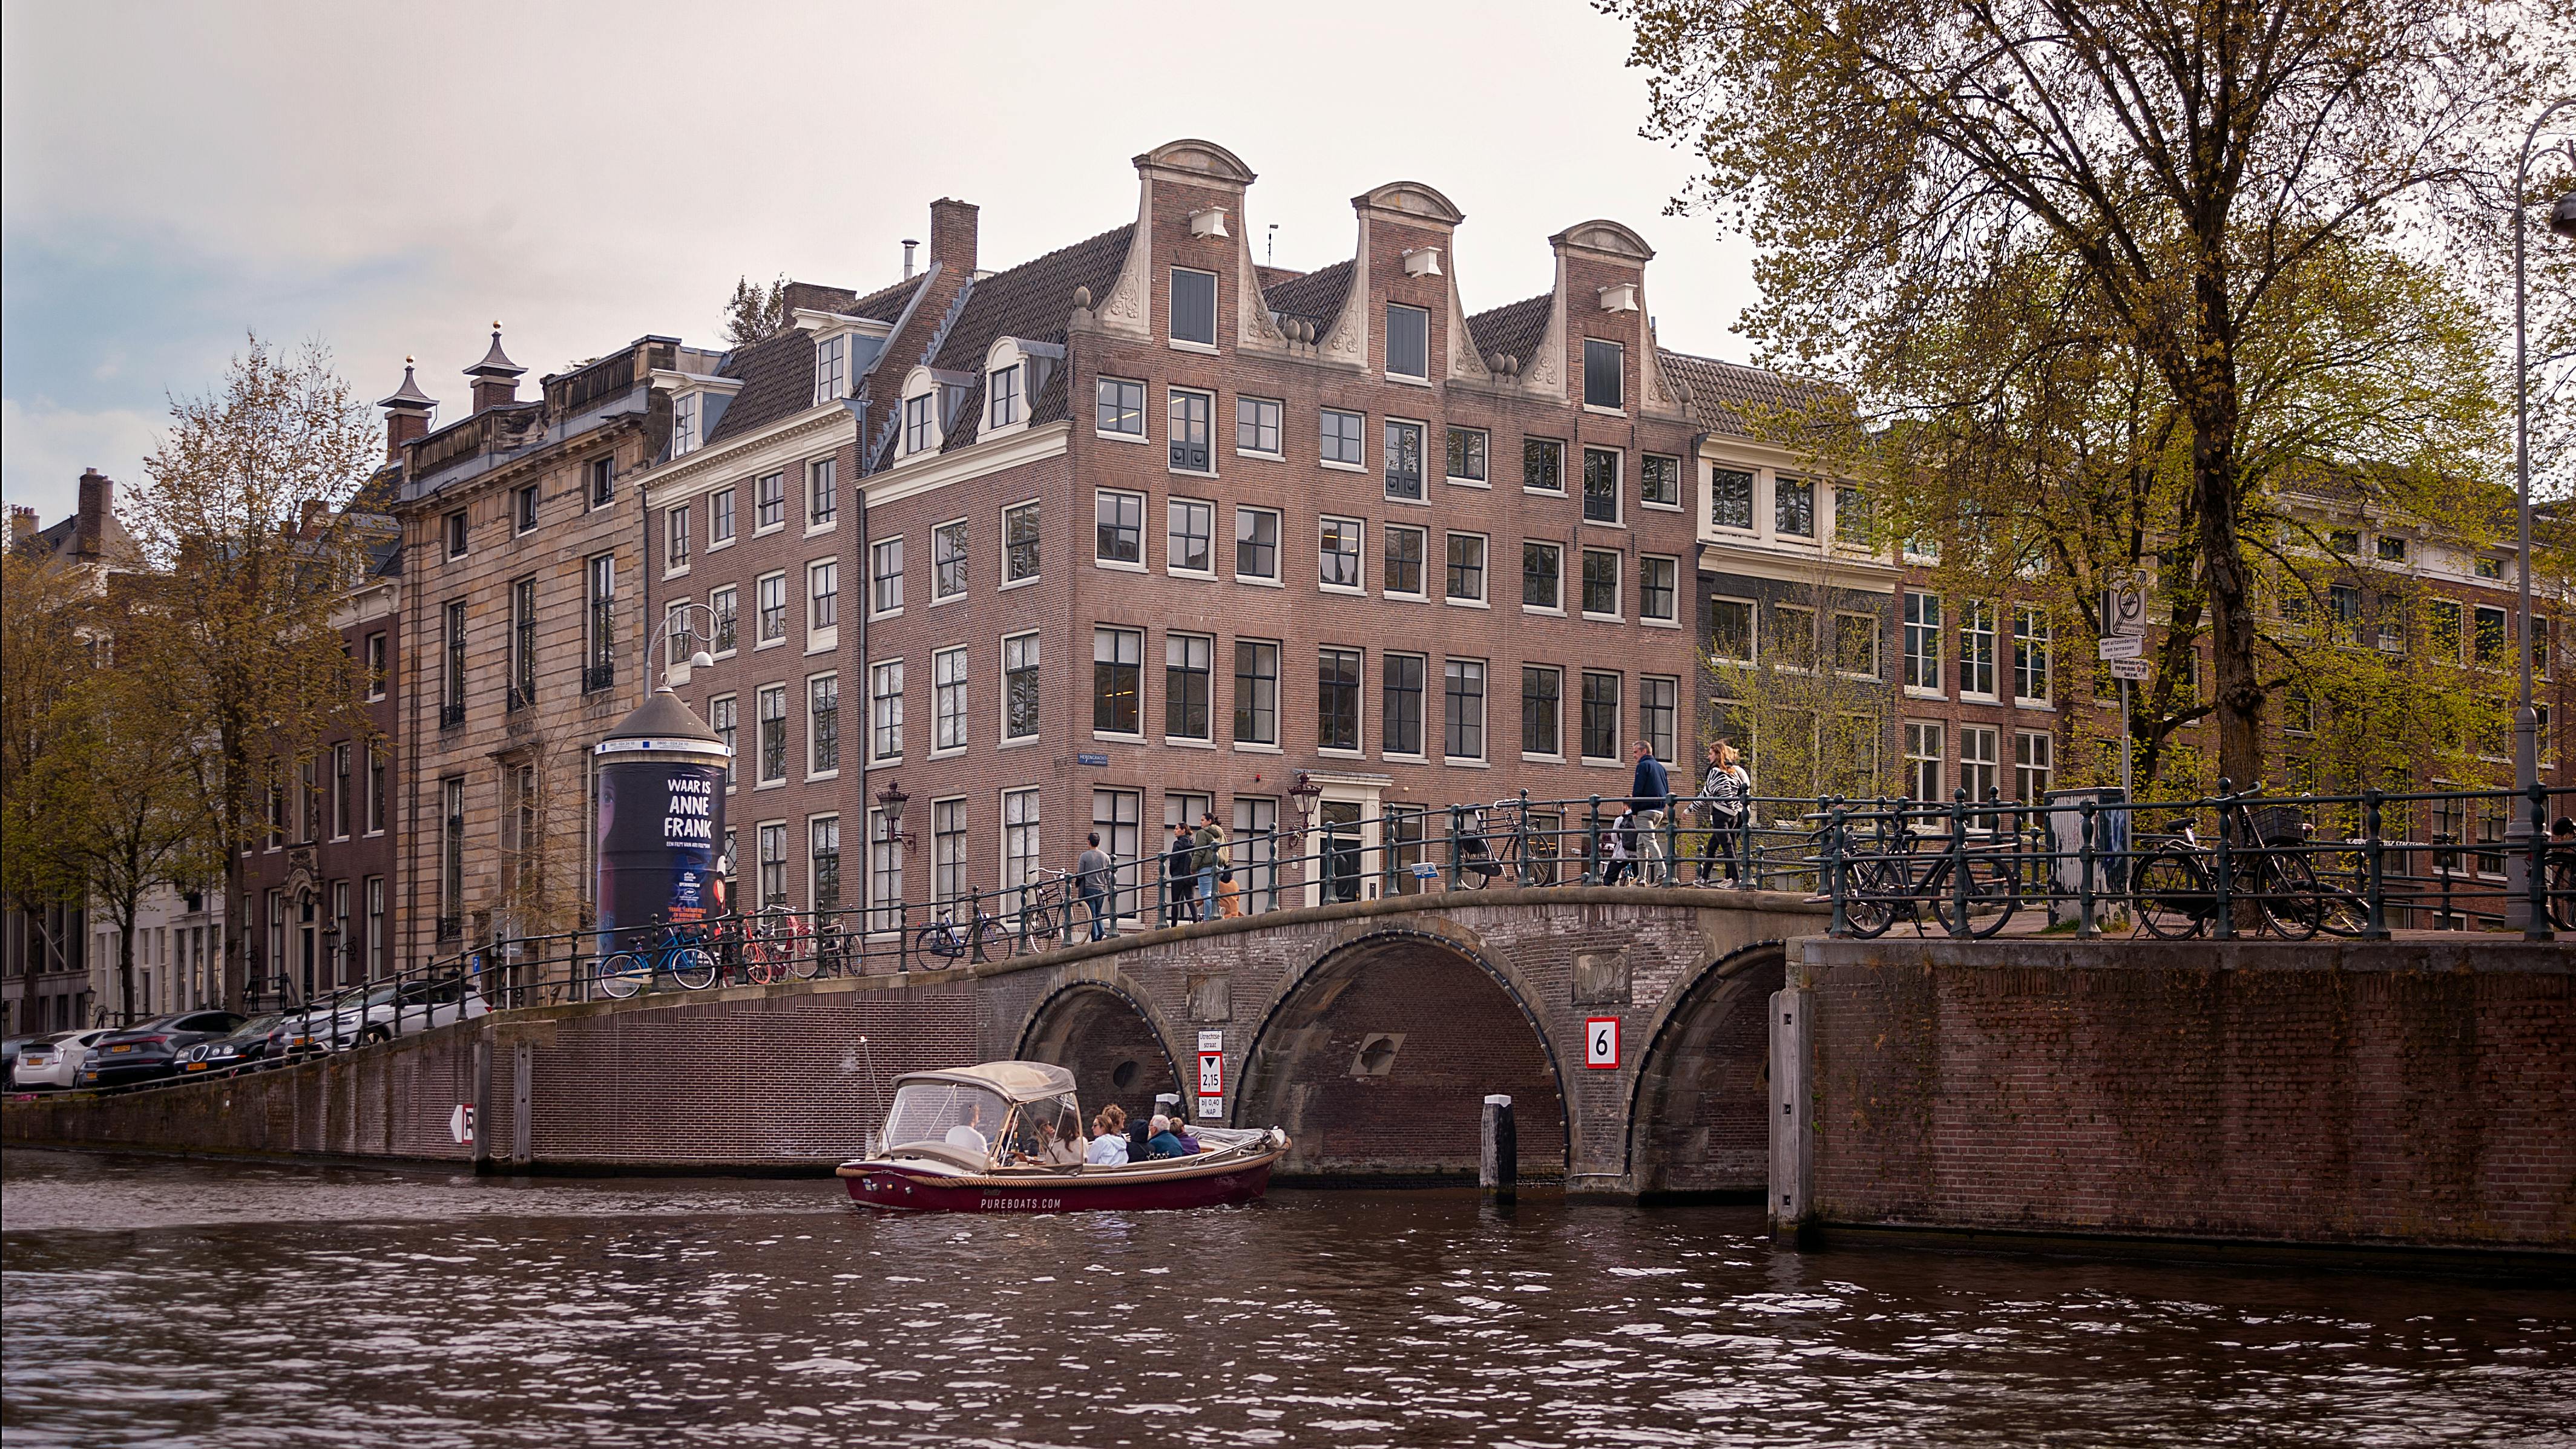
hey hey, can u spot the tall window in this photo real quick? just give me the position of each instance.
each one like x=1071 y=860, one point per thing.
x=1019 y=543
x=1117 y=681
x=720 y=517
x=885 y=575
x=1408 y=342
x=1338 y=438
x=1659 y=712
x=1256 y=544
x=823 y=594
x=1542 y=706
x=452 y=696
x=1118 y=527
x=1119 y=816
x=948 y=560
x=1194 y=306
x=451 y=872
x=1855 y=518
x=2033 y=754
x=1659 y=480
x=1404 y=550
x=675 y=537
x=773 y=733
x=379 y=778
x=771 y=495
x=1256 y=425
x=1466 y=568
x=2032 y=637
x=831 y=370
x=1403 y=460
x=823 y=723
x=1191 y=544
x=527 y=509
x=1793 y=507
x=1003 y=388
x=1256 y=692
x=721 y=718
x=1193 y=428
x=1923 y=642
x=885 y=874
x=1122 y=407
x=1337 y=699
x=885 y=711
x=773 y=607
x=823 y=860
x=1600 y=582
x=523 y=643
x=1462 y=715
x=1977 y=652
x=822 y=505
x=1400 y=710
x=684 y=423
x=1730 y=630
x=1542 y=576
x=1600 y=485
x=1604 y=374
x=1730 y=499
x=773 y=864
x=1020 y=844
x=603 y=482
x=1467 y=455
x=1923 y=760
x=1856 y=644
x=1977 y=761
x=1543 y=465
x=342 y=757
x=375 y=926
x=602 y=670
x=948 y=699
x=1188 y=660
x=312 y=799
x=1020 y=687
x=456 y=533
x=1600 y=715
x=948 y=849
x=380 y=664
x=1338 y=553
x=720 y=614
x=1656 y=587
x=920 y=426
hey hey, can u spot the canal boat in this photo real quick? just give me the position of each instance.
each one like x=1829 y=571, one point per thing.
x=1008 y=1137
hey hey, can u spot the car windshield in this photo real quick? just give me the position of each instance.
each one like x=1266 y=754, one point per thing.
x=948 y=1112
x=261 y=1026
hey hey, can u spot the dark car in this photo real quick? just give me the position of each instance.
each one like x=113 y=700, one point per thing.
x=257 y=1042
x=140 y=1053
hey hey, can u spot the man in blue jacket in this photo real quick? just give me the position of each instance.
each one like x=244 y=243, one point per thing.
x=1650 y=794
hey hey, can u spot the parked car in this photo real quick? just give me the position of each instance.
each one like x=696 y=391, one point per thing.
x=54 y=1061
x=261 y=1040
x=397 y=1008
x=141 y=1053
x=9 y=1049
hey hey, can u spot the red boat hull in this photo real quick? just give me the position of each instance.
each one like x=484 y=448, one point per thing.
x=878 y=1185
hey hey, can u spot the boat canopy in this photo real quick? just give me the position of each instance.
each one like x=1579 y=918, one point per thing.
x=1014 y=1081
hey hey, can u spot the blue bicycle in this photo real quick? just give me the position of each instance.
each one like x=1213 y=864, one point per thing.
x=623 y=973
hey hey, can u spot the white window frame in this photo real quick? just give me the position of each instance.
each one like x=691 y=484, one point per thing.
x=731 y=598
x=885 y=712
x=2032 y=626
x=879 y=553
x=1278 y=546
x=1008 y=509
x=950 y=699
x=813 y=737
x=1034 y=663
x=1173 y=397
x=1484 y=596
x=1424 y=376
x=1278 y=426
x=1386 y=577
x=1356 y=465
x=1144 y=396
x=1136 y=565
x=1460 y=479
x=760 y=610
x=1919 y=623
x=684 y=424
x=1172 y=506
x=1216 y=311
x=939 y=531
x=723 y=508
x=822 y=633
x=676 y=541
x=1359 y=554
x=1618 y=590
x=1672 y=618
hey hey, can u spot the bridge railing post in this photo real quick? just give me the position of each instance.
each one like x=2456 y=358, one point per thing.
x=1521 y=840
x=2085 y=930
x=1457 y=828
x=1592 y=843
x=2374 y=856
x=2224 y=928
x=2536 y=925
x=1959 y=862
x=1837 y=878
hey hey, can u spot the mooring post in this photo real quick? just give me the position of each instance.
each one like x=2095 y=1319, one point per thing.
x=1498 y=1169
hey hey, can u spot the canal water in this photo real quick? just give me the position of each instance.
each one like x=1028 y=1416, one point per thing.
x=159 y=1302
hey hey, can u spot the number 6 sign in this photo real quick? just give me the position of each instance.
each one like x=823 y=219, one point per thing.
x=1601 y=1043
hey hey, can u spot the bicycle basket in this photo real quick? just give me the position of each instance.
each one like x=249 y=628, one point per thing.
x=2279 y=825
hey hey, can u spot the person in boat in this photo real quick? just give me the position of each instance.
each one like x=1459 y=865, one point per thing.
x=1162 y=1143
x=1109 y=1138
x=1181 y=1133
x=1056 y=1147
x=969 y=1134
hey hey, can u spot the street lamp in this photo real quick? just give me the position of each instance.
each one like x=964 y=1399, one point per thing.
x=2526 y=719
x=1303 y=792
x=698 y=658
x=891 y=800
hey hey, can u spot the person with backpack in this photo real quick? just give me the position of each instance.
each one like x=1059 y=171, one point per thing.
x=1181 y=876
x=1207 y=856
x=1650 y=794
x=1725 y=797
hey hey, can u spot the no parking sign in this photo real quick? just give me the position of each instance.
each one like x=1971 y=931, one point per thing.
x=1601 y=1043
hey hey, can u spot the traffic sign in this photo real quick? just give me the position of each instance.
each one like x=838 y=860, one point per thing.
x=1601 y=1043
x=2124 y=606
x=2136 y=669
x=2123 y=646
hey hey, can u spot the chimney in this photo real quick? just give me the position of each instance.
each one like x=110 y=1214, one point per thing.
x=908 y=245
x=308 y=518
x=97 y=498
x=952 y=236
x=406 y=414
x=22 y=525
x=496 y=377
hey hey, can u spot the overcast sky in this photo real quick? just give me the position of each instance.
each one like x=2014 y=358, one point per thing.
x=390 y=179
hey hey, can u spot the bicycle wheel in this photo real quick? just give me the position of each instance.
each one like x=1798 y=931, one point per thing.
x=693 y=967
x=621 y=975
x=2287 y=892
x=940 y=943
x=803 y=960
x=1991 y=896
x=2173 y=897
x=1868 y=897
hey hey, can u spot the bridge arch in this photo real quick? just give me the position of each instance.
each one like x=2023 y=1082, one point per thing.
x=1105 y=1030
x=1698 y=1109
x=1376 y=1057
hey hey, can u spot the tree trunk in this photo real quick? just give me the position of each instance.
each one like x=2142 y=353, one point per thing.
x=2237 y=695
x=125 y=968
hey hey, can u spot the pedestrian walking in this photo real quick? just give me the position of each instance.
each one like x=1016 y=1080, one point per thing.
x=1091 y=878
x=1618 y=846
x=1208 y=856
x=1725 y=794
x=1180 y=876
x=1650 y=794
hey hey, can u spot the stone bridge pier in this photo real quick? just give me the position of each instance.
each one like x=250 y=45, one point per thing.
x=1626 y=1023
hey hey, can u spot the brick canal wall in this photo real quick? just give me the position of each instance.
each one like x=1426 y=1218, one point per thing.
x=2412 y=1093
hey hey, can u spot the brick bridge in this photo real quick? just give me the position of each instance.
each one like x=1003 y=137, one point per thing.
x=1372 y=1030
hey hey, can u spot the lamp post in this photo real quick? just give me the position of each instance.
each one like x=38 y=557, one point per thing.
x=2526 y=719
x=698 y=658
x=891 y=800
x=1303 y=792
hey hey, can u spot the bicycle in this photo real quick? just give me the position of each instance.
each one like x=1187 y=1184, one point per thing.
x=1046 y=905
x=2176 y=882
x=944 y=940
x=674 y=950
x=1881 y=884
x=777 y=946
x=1523 y=851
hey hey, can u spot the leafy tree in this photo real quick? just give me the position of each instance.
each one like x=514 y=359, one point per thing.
x=2191 y=175
x=45 y=608
x=1807 y=709
x=755 y=313
x=243 y=506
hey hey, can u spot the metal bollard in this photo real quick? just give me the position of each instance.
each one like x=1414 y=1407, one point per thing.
x=2225 y=927
x=1498 y=1163
x=2085 y=930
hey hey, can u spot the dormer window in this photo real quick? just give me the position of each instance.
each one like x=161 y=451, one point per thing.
x=921 y=422
x=1408 y=342
x=684 y=423
x=831 y=369
x=1004 y=392
x=1604 y=366
x=1193 y=307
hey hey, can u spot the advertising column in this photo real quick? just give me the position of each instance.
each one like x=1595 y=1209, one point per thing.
x=661 y=793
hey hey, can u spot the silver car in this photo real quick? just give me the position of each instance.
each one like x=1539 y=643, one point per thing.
x=54 y=1061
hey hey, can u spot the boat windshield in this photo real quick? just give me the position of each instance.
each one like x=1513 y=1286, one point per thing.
x=946 y=1112
x=1046 y=1133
